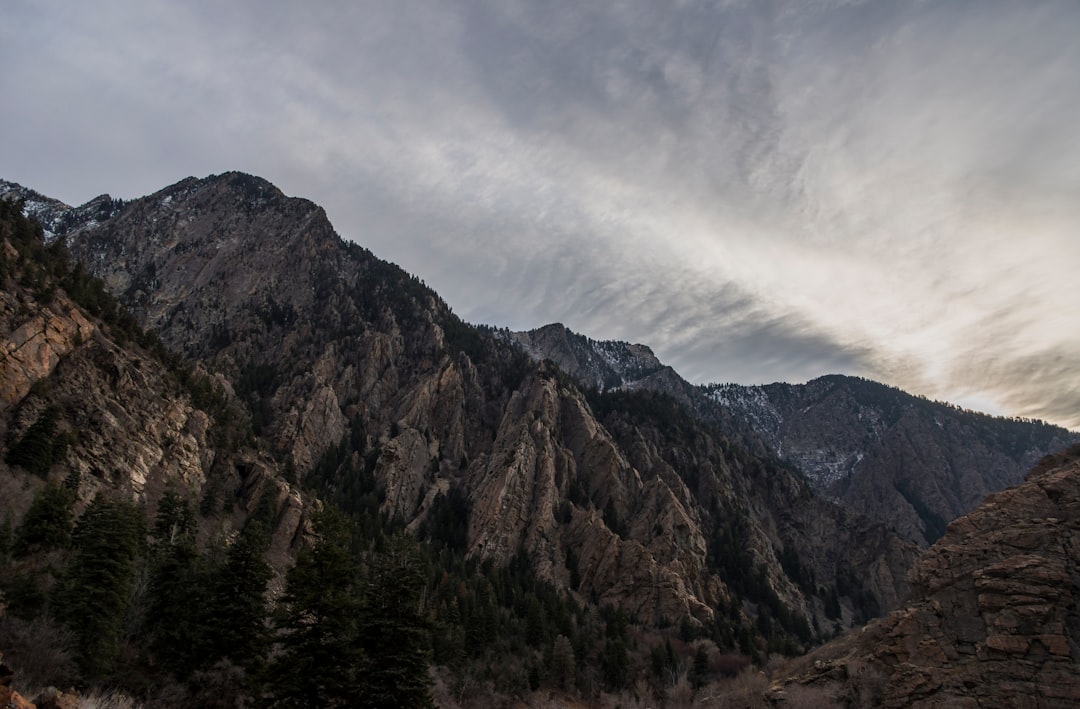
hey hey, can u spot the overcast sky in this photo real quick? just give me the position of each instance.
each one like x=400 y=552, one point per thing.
x=761 y=190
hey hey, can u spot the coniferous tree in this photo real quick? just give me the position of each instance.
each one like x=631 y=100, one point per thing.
x=47 y=524
x=96 y=592
x=39 y=448
x=177 y=591
x=394 y=633
x=236 y=609
x=320 y=655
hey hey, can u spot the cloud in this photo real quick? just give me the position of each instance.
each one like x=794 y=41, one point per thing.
x=759 y=191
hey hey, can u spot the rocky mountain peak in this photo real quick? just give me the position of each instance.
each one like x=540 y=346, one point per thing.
x=603 y=364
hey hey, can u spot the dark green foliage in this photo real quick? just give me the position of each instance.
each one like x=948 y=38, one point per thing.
x=447 y=524
x=320 y=653
x=665 y=665
x=96 y=591
x=614 y=659
x=256 y=386
x=848 y=584
x=47 y=523
x=796 y=571
x=236 y=607
x=614 y=663
x=348 y=481
x=177 y=588
x=39 y=447
x=394 y=632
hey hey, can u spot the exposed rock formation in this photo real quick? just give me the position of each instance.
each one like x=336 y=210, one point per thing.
x=351 y=367
x=602 y=364
x=914 y=463
x=33 y=347
x=994 y=618
x=121 y=420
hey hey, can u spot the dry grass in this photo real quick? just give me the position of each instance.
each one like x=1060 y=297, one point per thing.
x=108 y=699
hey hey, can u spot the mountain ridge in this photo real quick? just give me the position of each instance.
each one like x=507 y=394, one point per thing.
x=850 y=458
x=599 y=469
x=333 y=352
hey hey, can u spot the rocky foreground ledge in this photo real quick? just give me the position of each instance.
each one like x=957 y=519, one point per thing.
x=993 y=618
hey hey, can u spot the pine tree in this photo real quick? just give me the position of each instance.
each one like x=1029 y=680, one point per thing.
x=320 y=655
x=95 y=594
x=177 y=593
x=236 y=609
x=39 y=448
x=47 y=524
x=393 y=630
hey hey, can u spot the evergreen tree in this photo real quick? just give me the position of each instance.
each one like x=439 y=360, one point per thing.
x=177 y=595
x=96 y=592
x=394 y=633
x=236 y=610
x=320 y=658
x=39 y=448
x=47 y=524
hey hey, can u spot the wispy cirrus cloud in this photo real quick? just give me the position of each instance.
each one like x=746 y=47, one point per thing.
x=760 y=191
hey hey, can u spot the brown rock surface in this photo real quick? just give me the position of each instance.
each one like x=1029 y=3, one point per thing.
x=35 y=342
x=994 y=618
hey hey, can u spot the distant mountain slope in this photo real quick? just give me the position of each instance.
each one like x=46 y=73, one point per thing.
x=54 y=216
x=362 y=379
x=912 y=463
x=993 y=619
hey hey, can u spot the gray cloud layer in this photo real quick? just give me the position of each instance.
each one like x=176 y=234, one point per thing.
x=759 y=190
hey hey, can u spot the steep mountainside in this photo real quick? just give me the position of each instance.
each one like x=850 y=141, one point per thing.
x=90 y=401
x=363 y=381
x=914 y=463
x=994 y=618
x=881 y=452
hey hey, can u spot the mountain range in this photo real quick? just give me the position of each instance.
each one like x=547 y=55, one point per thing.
x=255 y=360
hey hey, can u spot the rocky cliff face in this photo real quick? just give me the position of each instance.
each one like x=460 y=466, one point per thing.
x=994 y=618
x=118 y=419
x=601 y=364
x=358 y=376
x=909 y=462
x=913 y=463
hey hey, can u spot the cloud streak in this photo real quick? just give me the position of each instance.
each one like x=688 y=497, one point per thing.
x=760 y=191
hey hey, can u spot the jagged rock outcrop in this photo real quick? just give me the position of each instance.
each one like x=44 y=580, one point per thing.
x=34 y=346
x=119 y=420
x=351 y=368
x=994 y=618
x=909 y=462
x=602 y=364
